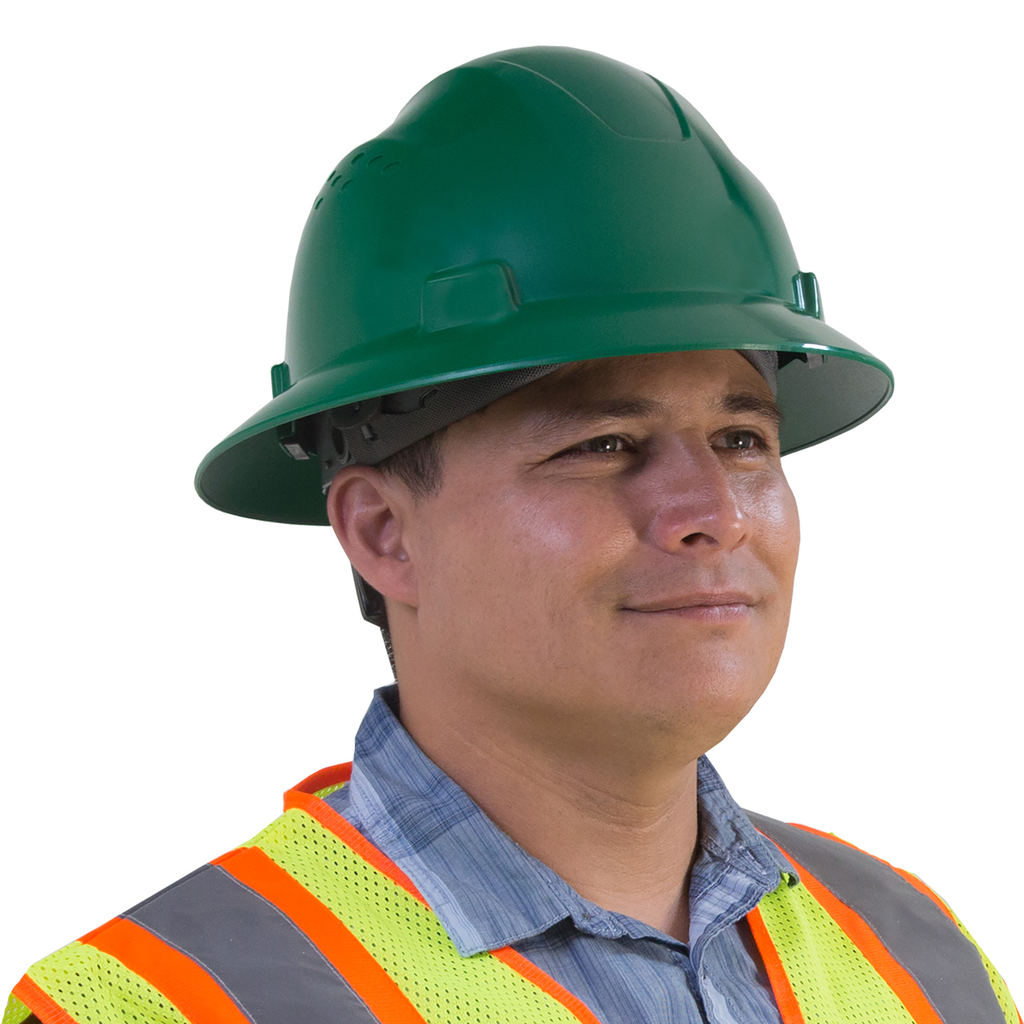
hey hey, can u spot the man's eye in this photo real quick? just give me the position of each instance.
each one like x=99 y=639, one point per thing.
x=605 y=445
x=742 y=440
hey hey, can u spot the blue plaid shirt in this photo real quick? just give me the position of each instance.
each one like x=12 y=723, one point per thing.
x=490 y=893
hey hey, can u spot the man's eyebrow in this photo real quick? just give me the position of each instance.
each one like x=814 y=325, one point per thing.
x=751 y=401
x=594 y=412
x=581 y=413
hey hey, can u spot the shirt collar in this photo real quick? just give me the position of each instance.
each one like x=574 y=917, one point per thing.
x=486 y=890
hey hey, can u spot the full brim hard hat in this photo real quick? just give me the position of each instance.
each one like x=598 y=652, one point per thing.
x=534 y=207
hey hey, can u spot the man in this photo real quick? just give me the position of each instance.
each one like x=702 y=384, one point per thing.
x=547 y=343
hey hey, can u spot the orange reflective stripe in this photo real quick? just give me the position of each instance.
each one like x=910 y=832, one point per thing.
x=332 y=776
x=252 y=867
x=194 y=992
x=789 y=1008
x=41 y=1004
x=863 y=937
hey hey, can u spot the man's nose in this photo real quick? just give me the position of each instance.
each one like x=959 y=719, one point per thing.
x=694 y=501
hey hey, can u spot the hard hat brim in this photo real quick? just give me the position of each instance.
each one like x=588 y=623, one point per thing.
x=831 y=386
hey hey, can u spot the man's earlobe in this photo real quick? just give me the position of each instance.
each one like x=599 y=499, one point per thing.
x=365 y=511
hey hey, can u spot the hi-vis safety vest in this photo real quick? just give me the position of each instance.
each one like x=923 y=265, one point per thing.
x=311 y=924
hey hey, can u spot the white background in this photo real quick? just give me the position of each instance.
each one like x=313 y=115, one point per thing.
x=168 y=670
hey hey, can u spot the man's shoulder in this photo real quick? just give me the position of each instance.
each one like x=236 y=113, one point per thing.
x=202 y=939
x=890 y=915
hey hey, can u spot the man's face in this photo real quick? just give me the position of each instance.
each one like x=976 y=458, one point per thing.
x=612 y=550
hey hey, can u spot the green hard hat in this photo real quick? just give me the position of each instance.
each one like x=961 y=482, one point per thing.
x=531 y=208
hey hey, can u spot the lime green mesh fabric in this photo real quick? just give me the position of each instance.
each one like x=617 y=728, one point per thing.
x=328 y=790
x=94 y=988
x=403 y=935
x=998 y=985
x=832 y=980
x=16 y=1011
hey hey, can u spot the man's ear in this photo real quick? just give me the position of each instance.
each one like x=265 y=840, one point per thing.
x=365 y=509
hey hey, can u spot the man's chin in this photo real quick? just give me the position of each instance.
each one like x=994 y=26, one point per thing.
x=696 y=712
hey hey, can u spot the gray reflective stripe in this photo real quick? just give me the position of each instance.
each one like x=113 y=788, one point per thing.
x=914 y=930
x=257 y=954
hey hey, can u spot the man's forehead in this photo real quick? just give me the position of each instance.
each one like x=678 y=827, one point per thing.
x=648 y=363
x=645 y=385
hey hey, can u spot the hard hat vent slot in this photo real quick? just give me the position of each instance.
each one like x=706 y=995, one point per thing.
x=343 y=176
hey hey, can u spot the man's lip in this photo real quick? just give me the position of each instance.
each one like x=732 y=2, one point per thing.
x=716 y=599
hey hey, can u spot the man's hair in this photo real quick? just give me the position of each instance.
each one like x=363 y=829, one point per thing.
x=418 y=466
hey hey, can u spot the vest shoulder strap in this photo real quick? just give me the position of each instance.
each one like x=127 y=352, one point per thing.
x=206 y=950
x=912 y=923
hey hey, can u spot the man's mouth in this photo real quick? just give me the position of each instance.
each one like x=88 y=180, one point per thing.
x=695 y=600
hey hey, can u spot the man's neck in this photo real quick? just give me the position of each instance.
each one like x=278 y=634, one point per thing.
x=619 y=825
